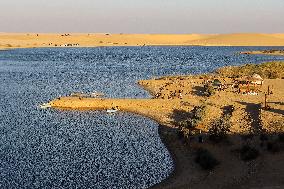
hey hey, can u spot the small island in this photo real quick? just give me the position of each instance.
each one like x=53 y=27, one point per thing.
x=227 y=125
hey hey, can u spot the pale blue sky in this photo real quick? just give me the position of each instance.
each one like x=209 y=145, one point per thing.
x=142 y=16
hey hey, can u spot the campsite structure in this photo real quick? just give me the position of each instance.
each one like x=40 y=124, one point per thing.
x=249 y=84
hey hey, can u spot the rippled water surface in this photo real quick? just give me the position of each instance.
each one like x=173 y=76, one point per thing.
x=69 y=149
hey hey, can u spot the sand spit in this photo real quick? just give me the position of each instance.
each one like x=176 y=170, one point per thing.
x=181 y=94
x=157 y=109
x=266 y=52
x=32 y=40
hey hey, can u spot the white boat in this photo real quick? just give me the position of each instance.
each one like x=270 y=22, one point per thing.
x=111 y=111
x=45 y=105
x=97 y=95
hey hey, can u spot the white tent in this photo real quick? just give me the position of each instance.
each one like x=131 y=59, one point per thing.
x=256 y=79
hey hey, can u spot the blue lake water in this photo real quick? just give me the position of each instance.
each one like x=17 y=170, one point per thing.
x=72 y=149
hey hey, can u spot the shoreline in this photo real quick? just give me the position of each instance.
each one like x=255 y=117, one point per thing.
x=265 y=52
x=34 y=40
x=157 y=45
x=186 y=172
x=164 y=138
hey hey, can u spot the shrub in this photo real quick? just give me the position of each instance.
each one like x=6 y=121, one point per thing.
x=248 y=153
x=190 y=123
x=209 y=90
x=205 y=159
x=186 y=126
x=199 y=112
x=273 y=147
x=185 y=132
x=220 y=129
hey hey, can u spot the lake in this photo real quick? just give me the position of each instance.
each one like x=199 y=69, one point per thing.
x=91 y=149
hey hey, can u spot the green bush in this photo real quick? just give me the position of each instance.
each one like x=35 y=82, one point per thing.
x=205 y=159
x=248 y=153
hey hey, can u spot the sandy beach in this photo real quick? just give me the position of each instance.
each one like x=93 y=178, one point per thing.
x=32 y=40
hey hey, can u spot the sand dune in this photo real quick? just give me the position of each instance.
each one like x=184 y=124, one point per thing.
x=10 y=40
x=242 y=40
x=278 y=35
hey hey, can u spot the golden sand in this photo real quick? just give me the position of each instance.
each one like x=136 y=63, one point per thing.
x=30 y=40
x=182 y=94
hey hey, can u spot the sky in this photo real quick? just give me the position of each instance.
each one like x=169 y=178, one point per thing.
x=142 y=16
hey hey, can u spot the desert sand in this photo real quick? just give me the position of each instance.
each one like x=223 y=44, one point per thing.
x=31 y=40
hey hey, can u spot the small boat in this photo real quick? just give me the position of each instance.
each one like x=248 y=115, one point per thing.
x=111 y=111
x=45 y=106
x=97 y=95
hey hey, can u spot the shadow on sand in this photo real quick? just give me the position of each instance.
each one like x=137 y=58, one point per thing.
x=180 y=115
x=254 y=111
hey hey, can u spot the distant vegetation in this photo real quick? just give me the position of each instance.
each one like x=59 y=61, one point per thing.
x=268 y=70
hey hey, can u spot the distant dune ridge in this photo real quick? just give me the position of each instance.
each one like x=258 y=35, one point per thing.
x=30 y=40
x=243 y=40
